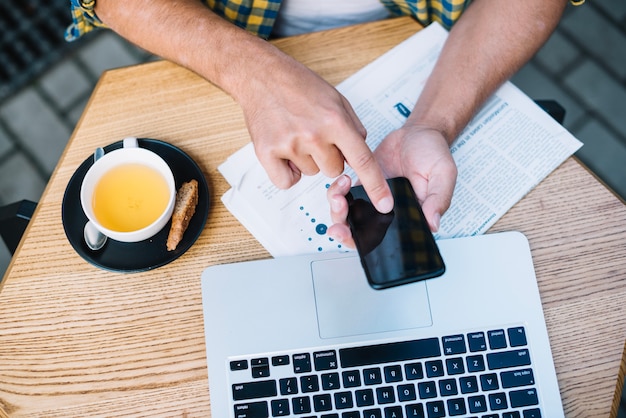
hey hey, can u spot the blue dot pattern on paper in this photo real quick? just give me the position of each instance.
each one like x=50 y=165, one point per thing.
x=320 y=229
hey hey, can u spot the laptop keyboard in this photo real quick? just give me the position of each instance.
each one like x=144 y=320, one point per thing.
x=484 y=374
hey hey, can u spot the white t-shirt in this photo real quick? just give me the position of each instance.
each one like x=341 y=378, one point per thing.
x=303 y=16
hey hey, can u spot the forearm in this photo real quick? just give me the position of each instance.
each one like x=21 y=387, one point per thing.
x=190 y=34
x=491 y=41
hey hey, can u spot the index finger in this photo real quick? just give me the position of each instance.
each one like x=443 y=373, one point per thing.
x=359 y=156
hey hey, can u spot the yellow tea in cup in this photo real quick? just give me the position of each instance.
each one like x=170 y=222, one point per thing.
x=129 y=197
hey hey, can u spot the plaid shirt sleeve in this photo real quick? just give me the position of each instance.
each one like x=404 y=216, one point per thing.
x=84 y=19
x=445 y=12
x=256 y=16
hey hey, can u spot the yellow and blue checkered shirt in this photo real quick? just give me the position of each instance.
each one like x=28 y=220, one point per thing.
x=258 y=16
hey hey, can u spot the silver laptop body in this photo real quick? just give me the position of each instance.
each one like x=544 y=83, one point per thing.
x=307 y=336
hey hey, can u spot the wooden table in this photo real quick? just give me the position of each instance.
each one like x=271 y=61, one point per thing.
x=79 y=341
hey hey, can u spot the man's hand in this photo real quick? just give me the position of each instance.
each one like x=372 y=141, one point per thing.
x=300 y=124
x=419 y=154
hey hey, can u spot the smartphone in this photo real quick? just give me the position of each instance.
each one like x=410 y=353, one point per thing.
x=398 y=247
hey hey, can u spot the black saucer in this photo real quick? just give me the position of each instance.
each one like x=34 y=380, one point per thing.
x=144 y=255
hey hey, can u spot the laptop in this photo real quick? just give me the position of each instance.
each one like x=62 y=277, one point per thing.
x=307 y=336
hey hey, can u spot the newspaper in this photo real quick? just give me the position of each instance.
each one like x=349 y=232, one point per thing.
x=506 y=150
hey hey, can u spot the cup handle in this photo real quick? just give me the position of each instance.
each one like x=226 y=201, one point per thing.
x=130 y=142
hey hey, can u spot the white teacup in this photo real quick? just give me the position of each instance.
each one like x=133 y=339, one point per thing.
x=129 y=193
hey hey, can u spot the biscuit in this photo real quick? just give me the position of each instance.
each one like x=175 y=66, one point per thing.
x=184 y=208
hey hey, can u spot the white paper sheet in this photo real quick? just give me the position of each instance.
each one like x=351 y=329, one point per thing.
x=506 y=150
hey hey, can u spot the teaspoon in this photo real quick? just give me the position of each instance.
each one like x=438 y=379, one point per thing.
x=94 y=239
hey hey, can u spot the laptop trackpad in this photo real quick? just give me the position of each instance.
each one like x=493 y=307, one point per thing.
x=347 y=305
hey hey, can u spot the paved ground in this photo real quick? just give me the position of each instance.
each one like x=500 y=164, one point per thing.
x=583 y=66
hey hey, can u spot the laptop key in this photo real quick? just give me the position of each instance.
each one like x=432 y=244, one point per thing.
x=456 y=407
x=406 y=393
x=413 y=371
x=447 y=387
x=330 y=381
x=252 y=410
x=372 y=413
x=469 y=384
x=393 y=373
x=434 y=368
x=497 y=339
x=372 y=376
x=385 y=395
x=351 y=378
x=532 y=413
x=489 y=382
x=288 y=386
x=477 y=404
x=280 y=360
x=254 y=390
x=238 y=365
x=435 y=409
x=454 y=344
x=260 y=371
x=302 y=363
x=280 y=407
x=517 y=336
x=262 y=361
x=325 y=360
x=364 y=397
x=309 y=383
x=322 y=402
x=475 y=363
x=506 y=359
x=393 y=412
x=476 y=341
x=427 y=390
x=301 y=405
x=455 y=366
x=414 y=410
x=517 y=378
x=343 y=400
x=521 y=398
x=497 y=401
x=390 y=352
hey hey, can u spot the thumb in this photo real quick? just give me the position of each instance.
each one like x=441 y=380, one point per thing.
x=438 y=197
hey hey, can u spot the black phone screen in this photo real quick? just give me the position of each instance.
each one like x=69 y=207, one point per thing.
x=397 y=247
